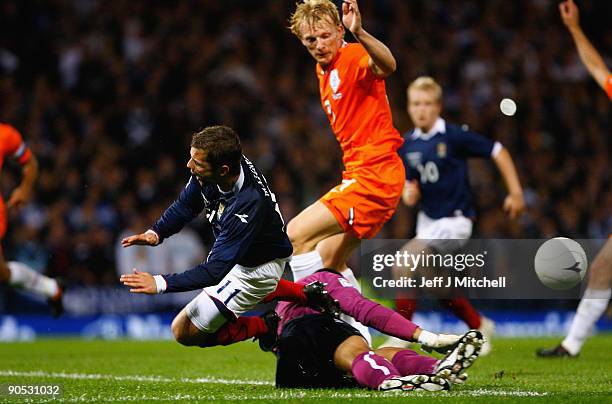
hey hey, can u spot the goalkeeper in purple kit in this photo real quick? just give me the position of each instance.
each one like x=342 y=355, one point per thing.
x=320 y=351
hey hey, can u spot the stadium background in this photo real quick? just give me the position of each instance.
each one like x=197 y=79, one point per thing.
x=107 y=95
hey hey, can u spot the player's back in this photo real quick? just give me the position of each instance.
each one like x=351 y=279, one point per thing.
x=357 y=106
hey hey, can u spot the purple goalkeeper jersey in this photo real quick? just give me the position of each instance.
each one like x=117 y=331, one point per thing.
x=352 y=303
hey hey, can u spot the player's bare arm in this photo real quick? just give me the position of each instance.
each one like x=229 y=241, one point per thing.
x=382 y=61
x=514 y=203
x=411 y=193
x=588 y=54
x=140 y=282
x=22 y=194
x=146 y=238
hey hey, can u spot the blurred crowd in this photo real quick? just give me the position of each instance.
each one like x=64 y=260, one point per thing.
x=108 y=93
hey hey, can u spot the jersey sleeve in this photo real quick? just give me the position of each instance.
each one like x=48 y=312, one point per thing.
x=361 y=62
x=471 y=144
x=411 y=172
x=365 y=310
x=240 y=226
x=188 y=205
x=609 y=86
x=13 y=144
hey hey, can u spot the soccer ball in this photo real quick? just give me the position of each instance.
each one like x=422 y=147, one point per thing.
x=560 y=263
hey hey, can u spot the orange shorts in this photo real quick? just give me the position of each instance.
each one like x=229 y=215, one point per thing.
x=367 y=197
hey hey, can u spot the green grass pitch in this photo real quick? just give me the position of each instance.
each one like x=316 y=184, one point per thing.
x=131 y=371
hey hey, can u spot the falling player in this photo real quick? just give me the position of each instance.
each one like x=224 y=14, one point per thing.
x=352 y=89
x=435 y=154
x=14 y=273
x=595 y=299
x=249 y=253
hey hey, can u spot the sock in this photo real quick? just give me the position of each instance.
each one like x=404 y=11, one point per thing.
x=405 y=306
x=363 y=330
x=230 y=332
x=24 y=277
x=463 y=309
x=591 y=307
x=306 y=264
x=408 y=362
x=370 y=370
x=287 y=291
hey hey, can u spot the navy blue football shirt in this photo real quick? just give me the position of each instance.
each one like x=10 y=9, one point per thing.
x=438 y=160
x=246 y=222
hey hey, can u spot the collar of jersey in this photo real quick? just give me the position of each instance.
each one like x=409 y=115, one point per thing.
x=439 y=127
x=324 y=71
x=236 y=188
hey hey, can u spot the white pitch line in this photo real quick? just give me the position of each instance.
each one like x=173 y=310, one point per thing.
x=298 y=395
x=280 y=395
x=135 y=378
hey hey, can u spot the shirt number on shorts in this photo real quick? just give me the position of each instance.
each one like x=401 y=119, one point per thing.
x=231 y=296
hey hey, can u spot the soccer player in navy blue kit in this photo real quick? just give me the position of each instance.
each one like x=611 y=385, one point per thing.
x=248 y=256
x=435 y=156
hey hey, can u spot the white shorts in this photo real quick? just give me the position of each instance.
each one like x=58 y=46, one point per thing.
x=455 y=231
x=239 y=291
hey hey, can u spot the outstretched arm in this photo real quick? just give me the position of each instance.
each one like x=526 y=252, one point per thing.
x=588 y=54
x=22 y=194
x=382 y=61
x=380 y=317
x=514 y=203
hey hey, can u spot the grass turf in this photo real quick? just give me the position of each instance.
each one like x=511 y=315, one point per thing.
x=165 y=371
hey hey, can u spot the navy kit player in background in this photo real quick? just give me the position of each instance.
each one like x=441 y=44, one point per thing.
x=248 y=256
x=435 y=156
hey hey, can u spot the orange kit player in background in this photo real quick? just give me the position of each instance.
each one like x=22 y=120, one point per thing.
x=352 y=88
x=588 y=54
x=599 y=288
x=14 y=273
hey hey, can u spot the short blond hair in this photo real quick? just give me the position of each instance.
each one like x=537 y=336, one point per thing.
x=311 y=12
x=426 y=83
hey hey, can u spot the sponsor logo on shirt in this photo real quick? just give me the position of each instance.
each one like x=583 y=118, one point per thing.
x=414 y=158
x=442 y=150
x=334 y=82
x=243 y=218
x=345 y=283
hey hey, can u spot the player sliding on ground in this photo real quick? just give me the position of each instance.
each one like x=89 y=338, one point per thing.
x=248 y=256
x=320 y=351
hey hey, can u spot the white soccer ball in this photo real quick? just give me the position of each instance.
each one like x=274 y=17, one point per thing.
x=561 y=263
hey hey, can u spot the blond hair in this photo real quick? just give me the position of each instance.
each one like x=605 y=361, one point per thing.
x=426 y=83
x=311 y=12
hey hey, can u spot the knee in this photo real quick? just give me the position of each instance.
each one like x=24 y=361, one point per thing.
x=348 y=350
x=5 y=273
x=181 y=332
x=332 y=261
x=296 y=236
x=601 y=274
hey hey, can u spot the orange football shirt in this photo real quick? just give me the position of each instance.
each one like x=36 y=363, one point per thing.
x=11 y=145
x=357 y=106
x=609 y=86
